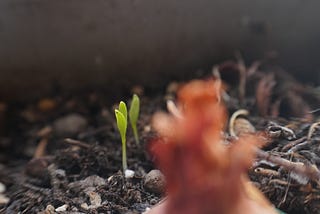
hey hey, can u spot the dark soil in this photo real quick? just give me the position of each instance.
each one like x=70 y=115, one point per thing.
x=68 y=171
x=42 y=171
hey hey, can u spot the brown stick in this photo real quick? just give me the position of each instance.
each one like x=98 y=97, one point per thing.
x=308 y=171
x=76 y=143
x=293 y=143
x=41 y=148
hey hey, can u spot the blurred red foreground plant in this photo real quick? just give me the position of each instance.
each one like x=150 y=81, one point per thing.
x=204 y=175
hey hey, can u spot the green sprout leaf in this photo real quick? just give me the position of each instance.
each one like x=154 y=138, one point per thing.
x=122 y=126
x=133 y=116
x=121 y=123
x=123 y=109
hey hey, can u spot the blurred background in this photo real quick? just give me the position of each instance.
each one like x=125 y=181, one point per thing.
x=106 y=43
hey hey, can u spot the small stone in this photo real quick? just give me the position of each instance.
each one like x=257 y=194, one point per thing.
x=155 y=182
x=3 y=199
x=147 y=128
x=95 y=199
x=70 y=124
x=62 y=208
x=2 y=188
x=74 y=209
x=49 y=209
x=84 y=206
x=128 y=173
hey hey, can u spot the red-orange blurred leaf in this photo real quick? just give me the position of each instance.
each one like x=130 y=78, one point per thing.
x=203 y=174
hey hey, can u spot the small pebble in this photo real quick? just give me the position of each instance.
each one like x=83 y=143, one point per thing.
x=74 y=209
x=84 y=206
x=62 y=208
x=154 y=181
x=49 y=209
x=128 y=173
x=147 y=128
x=2 y=188
x=70 y=124
x=3 y=199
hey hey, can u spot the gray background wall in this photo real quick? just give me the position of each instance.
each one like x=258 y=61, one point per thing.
x=95 y=42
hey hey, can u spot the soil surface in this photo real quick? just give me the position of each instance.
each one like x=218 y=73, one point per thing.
x=62 y=153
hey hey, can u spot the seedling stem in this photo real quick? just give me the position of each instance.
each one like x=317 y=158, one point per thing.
x=122 y=126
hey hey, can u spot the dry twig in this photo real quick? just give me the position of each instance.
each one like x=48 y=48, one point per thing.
x=290 y=145
x=233 y=118
x=307 y=171
x=76 y=143
x=312 y=130
x=41 y=148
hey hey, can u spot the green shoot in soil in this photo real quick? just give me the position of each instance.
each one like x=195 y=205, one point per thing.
x=121 y=117
x=123 y=109
x=133 y=116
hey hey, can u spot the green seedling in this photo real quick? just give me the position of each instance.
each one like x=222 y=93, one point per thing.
x=121 y=117
x=123 y=109
x=133 y=116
